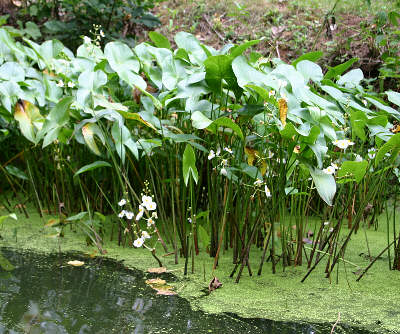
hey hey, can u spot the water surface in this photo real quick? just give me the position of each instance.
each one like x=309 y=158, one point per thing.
x=45 y=295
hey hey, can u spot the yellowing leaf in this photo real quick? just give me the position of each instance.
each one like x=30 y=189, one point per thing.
x=158 y=270
x=88 y=135
x=155 y=281
x=283 y=109
x=76 y=263
x=29 y=119
x=52 y=222
x=254 y=159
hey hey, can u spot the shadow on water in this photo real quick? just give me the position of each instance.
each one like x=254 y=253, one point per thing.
x=44 y=295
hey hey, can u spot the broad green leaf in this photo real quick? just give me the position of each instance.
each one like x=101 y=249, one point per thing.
x=325 y=184
x=339 y=69
x=189 y=165
x=393 y=97
x=159 y=40
x=393 y=144
x=11 y=71
x=226 y=122
x=121 y=57
x=89 y=130
x=92 y=166
x=351 y=79
x=199 y=121
x=219 y=68
x=311 y=56
x=310 y=70
x=238 y=50
x=352 y=171
x=78 y=216
x=203 y=236
x=15 y=171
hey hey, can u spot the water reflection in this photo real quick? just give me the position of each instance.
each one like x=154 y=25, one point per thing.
x=43 y=295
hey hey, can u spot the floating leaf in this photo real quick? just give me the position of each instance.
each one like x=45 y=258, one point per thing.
x=158 y=270
x=76 y=263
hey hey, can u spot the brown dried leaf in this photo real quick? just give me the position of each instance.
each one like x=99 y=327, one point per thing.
x=214 y=284
x=158 y=270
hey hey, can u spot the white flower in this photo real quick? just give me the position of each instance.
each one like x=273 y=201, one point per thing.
x=371 y=152
x=343 y=143
x=271 y=93
x=224 y=171
x=145 y=235
x=332 y=27
x=146 y=200
x=267 y=191
x=365 y=102
x=258 y=182
x=87 y=40
x=140 y=213
x=228 y=149
x=190 y=220
x=71 y=84
x=211 y=155
x=224 y=162
x=218 y=152
x=270 y=154
x=326 y=223
x=102 y=33
x=151 y=206
x=150 y=222
x=334 y=166
x=154 y=215
x=129 y=215
x=358 y=158
x=138 y=242
x=122 y=202
x=329 y=170
x=60 y=83
x=331 y=230
x=122 y=214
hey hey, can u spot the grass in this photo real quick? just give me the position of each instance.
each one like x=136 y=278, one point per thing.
x=371 y=303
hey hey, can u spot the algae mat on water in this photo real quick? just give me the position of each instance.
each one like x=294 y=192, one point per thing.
x=372 y=304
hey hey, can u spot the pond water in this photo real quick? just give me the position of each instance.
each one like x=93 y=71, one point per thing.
x=44 y=295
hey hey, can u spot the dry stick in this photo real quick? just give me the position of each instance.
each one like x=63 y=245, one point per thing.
x=335 y=324
x=222 y=228
x=212 y=28
x=370 y=265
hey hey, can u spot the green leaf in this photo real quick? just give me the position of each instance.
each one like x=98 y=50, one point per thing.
x=325 y=184
x=89 y=130
x=238 y=50
x=16 y=172
x=219 y=68
x=78 y=216
x=351 y=78
x=311 y=56
x=121 y=57
x=339 y=69
x=4 y=263
x=393 y=144
x=159 y=40
x=352 y=171
x=32 y=30
x=189 y=164
x=199 y=121
x=310 y=70
x=226 y=123
x=203 y=236
x=92 y=166
x=393 y=97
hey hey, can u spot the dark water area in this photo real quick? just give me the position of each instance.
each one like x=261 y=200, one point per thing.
x=43 y=294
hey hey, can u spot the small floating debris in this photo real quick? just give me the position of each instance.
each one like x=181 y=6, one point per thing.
x=160 y=286
x=158 y=270
x=76 y=263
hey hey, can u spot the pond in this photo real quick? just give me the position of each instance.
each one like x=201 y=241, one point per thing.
x=45 y=295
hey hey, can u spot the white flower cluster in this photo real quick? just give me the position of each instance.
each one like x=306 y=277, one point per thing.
x=259 y=183
x=147 y=204
x=343 y=143
x=330 y=170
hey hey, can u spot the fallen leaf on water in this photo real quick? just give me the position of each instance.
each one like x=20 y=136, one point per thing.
x=158 y=270
x=166 y=292
x=76 y=263
x=155 y=281
x=214 y=284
